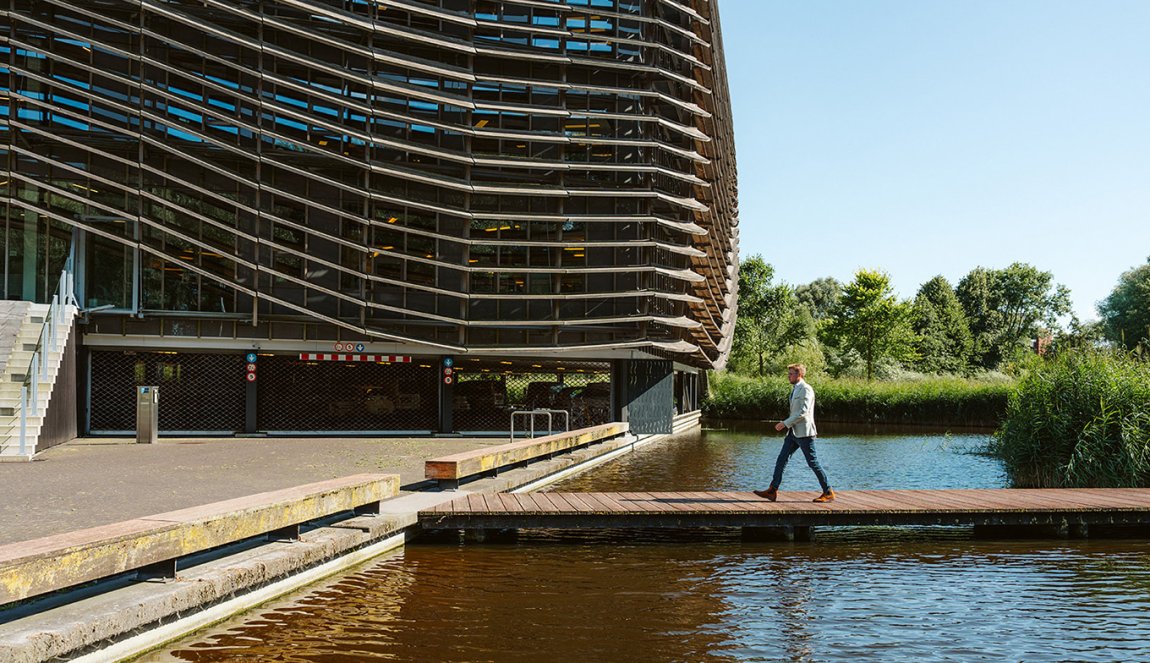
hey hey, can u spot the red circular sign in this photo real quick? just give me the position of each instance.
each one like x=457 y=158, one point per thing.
x=447 y=379
x=251 y=368
x=251 y=377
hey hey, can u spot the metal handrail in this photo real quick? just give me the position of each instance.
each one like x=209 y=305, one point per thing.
x=541 y=411
x=63 y=295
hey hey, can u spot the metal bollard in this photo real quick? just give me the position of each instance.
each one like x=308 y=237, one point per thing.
x=147 y=414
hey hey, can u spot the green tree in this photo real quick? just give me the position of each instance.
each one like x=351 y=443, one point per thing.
x=871 y=321
x=769 y=317
x=944 y=341
x=984 y=321
x=1126 y=311
x=819 y=296
x=1007 y=307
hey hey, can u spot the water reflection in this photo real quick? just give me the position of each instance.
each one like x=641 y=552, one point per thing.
x=743 y=459
x=856 y=593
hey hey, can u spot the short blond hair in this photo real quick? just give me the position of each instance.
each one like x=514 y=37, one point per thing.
x=802 y=370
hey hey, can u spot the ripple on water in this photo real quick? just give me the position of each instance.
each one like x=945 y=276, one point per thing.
x=873 y=594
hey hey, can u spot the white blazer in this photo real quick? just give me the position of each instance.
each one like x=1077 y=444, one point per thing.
x=802 y=419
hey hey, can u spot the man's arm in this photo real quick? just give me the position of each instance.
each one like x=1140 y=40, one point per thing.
x=801 y=409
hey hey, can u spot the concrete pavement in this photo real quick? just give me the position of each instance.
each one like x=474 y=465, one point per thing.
x=96 y=481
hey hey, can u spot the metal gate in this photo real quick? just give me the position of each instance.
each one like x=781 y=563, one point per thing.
x=487 y=391
x=296 y=395
x=650 y=395
x=199 y=393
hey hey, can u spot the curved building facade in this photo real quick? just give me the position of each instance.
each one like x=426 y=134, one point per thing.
x=526 y=185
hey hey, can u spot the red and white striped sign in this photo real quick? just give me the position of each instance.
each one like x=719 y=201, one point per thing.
x=316 y=356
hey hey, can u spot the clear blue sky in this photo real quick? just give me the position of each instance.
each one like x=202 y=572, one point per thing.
x=924 y=137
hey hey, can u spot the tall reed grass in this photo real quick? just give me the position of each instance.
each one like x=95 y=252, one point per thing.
x=1081 y=419
x=940 y=400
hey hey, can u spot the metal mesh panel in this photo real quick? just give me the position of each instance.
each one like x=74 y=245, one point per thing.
x=488 y=391
x=297 y=395
x=198 y=392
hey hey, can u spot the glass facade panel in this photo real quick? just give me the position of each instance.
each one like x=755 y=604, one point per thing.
x=402 y=170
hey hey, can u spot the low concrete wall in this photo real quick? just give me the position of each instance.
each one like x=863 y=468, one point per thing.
x=95 y=624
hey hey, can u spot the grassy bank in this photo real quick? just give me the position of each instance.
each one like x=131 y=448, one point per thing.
x=941 y=401
x=1079 y=420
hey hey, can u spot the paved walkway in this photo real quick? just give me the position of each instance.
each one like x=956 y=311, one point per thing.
x=96 y=481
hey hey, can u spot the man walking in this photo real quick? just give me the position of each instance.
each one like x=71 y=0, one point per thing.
x=801 y=435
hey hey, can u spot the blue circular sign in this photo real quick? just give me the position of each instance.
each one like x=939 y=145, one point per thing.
x=251 y=357
x=359 y=347
x=447 y=361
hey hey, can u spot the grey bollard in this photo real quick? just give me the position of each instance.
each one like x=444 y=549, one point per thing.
x=147 y=414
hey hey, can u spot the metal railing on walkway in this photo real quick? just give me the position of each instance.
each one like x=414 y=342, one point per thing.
x=532 y=414
x=63 y=296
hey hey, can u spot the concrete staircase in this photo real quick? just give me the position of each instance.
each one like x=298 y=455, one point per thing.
x=22 y=326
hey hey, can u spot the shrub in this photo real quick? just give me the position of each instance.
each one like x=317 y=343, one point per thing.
x=1081 y=419
x=928 y=400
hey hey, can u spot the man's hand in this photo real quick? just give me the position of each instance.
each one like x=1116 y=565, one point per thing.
x=780 y=426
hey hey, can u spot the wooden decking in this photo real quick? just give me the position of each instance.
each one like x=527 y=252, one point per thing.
x=1010 y=507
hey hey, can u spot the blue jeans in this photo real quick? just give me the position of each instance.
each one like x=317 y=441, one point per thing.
x=807 y=444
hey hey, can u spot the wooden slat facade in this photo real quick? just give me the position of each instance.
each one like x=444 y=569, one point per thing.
x=1099 y=506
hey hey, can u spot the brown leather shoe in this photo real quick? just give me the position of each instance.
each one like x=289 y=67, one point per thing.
x=828 y=496
x=771 y=494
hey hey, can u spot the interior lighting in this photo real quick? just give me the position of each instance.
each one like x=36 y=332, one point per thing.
x=506 y=363
x=481 y=124
x=392 y=220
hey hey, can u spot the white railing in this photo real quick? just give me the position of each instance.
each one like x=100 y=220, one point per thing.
x=64 y=296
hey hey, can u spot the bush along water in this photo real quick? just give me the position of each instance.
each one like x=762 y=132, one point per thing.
x=950 y=401
x=1080 y=419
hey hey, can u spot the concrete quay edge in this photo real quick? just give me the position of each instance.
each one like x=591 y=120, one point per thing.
x=141 y=616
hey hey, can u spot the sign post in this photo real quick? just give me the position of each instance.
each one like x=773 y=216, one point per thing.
x=250 y=392
x=446 y=394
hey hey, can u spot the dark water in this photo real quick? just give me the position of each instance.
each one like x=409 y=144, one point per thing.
x=869 y=594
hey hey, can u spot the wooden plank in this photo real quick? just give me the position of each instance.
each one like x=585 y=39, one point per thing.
x=1111 y=498
x=658 y=503
x=609 y=499
x=564 y=502
x=598 y=503
x=546 y=503
x=528 y=502
x=581 y=505
x=476 y=503
x=636 y=502
x=690 y=502
x=510 y=503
